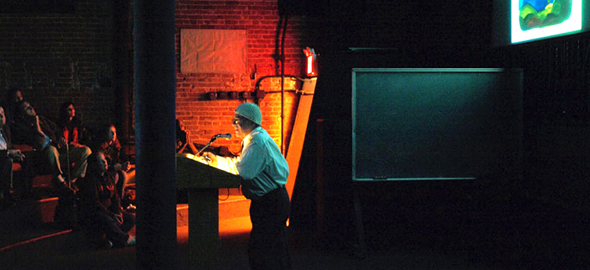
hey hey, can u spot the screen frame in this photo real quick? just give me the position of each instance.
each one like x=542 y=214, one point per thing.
x=377 y=178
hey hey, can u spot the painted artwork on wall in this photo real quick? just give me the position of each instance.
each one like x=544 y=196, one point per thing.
x=213 y=51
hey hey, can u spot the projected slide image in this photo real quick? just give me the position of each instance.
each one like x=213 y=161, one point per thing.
x=542 y=13
x=535 y=19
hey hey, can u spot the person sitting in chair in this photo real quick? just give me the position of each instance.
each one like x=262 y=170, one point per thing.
x=106 y=141
x=71 y=132
x=40 y=133
x=99 y=210
x=7 y=157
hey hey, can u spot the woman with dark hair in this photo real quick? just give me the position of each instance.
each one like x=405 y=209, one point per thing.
x=71 y=131
x=72 y=127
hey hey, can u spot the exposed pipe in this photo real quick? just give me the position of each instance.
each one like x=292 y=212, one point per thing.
x=282 y=59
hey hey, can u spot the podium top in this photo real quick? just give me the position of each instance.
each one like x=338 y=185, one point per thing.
x=193 y=173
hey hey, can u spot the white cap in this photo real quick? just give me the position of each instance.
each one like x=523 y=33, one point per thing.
x=250 y=111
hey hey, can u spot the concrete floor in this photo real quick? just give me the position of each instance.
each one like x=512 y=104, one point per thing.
x=539 y=239
x=51 y=248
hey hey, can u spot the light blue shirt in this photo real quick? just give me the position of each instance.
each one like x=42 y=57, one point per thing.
x=46 y=141
x=261 y=163
x=3 y=144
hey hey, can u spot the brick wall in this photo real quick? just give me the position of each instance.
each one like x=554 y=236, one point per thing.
x=61 y=56
x=204 y=117
x=68 y=56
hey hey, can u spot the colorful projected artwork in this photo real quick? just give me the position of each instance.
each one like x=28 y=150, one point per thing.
x=542 y=13
x=534 y=19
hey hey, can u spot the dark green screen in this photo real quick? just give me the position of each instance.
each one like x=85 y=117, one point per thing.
x=422 y=124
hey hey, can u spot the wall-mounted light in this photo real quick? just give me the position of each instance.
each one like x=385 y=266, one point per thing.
x=222 y=95
x=246 y=95
x=233 y=95
x=311 y=68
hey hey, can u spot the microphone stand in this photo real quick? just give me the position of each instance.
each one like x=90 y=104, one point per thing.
x=207 y=145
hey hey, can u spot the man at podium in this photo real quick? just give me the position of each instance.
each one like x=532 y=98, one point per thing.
x=264 y=171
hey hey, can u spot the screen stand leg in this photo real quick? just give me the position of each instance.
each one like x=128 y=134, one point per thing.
x=361 y=249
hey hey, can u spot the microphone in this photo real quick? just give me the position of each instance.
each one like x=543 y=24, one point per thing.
x=226 y=136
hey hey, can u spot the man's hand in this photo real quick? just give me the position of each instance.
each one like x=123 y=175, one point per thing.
x=122 y=167
x=210 y=157
x=62 y=143
x=126 y=166
x=119 y=218
x=16 y=155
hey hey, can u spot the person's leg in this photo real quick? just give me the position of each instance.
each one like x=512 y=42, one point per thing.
x=128 y=222
x=257 y=245
x=268 y=246
x=50 y=156
x=25 y=186
x=121 y=183
x=5 y=181
x=129 y=189
x=92 y=232
x=79 y=157
x=282 y=248
x=112 y=229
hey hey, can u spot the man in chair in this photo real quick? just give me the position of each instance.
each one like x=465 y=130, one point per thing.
x=7 y=157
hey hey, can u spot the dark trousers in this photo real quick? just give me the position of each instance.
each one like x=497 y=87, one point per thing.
x=46 y=161
x=268 y=247
x=99 y=223
x=5 y=176
x=121 y=183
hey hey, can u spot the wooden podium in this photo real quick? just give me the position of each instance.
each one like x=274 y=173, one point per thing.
x=202 y=183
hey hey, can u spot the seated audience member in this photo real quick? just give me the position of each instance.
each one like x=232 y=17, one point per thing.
x=71 y=132
x=13 y=96
x=183 y=140
x=72 y=127
x=40 y=133
x=7 y=156
x=99 y=210
x=106 y=141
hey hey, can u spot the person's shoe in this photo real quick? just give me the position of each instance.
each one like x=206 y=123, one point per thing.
x=131 y=208
x=131 y=241
x=104 y=244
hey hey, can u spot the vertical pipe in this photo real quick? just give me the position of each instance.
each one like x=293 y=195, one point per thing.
x=155 y=110
x=284 y=33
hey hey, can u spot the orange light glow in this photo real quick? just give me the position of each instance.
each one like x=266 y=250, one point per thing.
x=312 y=67
x=227 y=227
x=310 y=71
x=240 y=225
